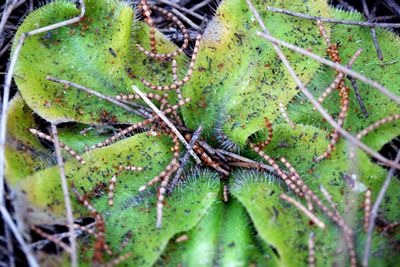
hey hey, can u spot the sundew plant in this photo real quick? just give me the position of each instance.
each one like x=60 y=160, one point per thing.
x=259 y=140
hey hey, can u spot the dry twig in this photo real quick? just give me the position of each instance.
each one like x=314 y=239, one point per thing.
x=336 y=21
x=67 y=199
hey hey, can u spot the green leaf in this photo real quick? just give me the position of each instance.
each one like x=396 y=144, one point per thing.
x=223 y=237
x=41 y=198
x=238 y=78
x=385 y=72
x=285 y=228
x=80 y=137
x=25 y=155
x=81 y=53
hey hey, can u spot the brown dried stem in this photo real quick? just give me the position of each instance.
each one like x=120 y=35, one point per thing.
x=67 y=199
x=167 y=122
x=335 y=21
x=374 y=211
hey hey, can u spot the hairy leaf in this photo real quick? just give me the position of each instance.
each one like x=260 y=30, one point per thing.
x=238 y=78
x=84 y=53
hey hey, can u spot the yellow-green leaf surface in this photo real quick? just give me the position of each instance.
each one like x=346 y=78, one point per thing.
x=25 y=154
x=41 y=199
x=386 y=72
x=80 y=53
x=285 y=228
x=223 y=237
x=238 y=79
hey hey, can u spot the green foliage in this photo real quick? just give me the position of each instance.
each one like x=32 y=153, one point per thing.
x=238 y=79
x=223 y=237
x=24 y=153
x=385 y=72
x=81 y=53
x=287 y=229
x=132 y=210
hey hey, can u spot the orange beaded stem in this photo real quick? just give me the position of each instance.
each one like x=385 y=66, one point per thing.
x=64 y=146
x=119 y=259
x=147 y=14
x=225 y=194
x=161 y=193
x=322 y=31
x=111 y=188
x=179 y=83
x=92 y=232
x=173 y=18
x=167 y=169
x=335 y=135
x=136 y=126
x=294 y=183
x=377 y=124
x=303 y=209
x=100 y=225
x=278 y=170
x=265 y=143
x=339 y=78
x=367 y=209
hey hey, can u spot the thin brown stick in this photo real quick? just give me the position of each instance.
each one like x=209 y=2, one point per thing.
x=8 y=9
x=186 y=19
x=332 y=64
x=40 y=244
x=10 y=246
x=303 y=209
x=25 y=248
x=374 y=211
x=183 y=9
x=7 y=84
x=52 y=239
x=184 y=160
x=315 y=103
x=358 y=96
x=390 y=226
x=167 y=122
x=335 y=21
x=138 y=125
x=95 y=93
x=67 y=199
x=370 y=16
